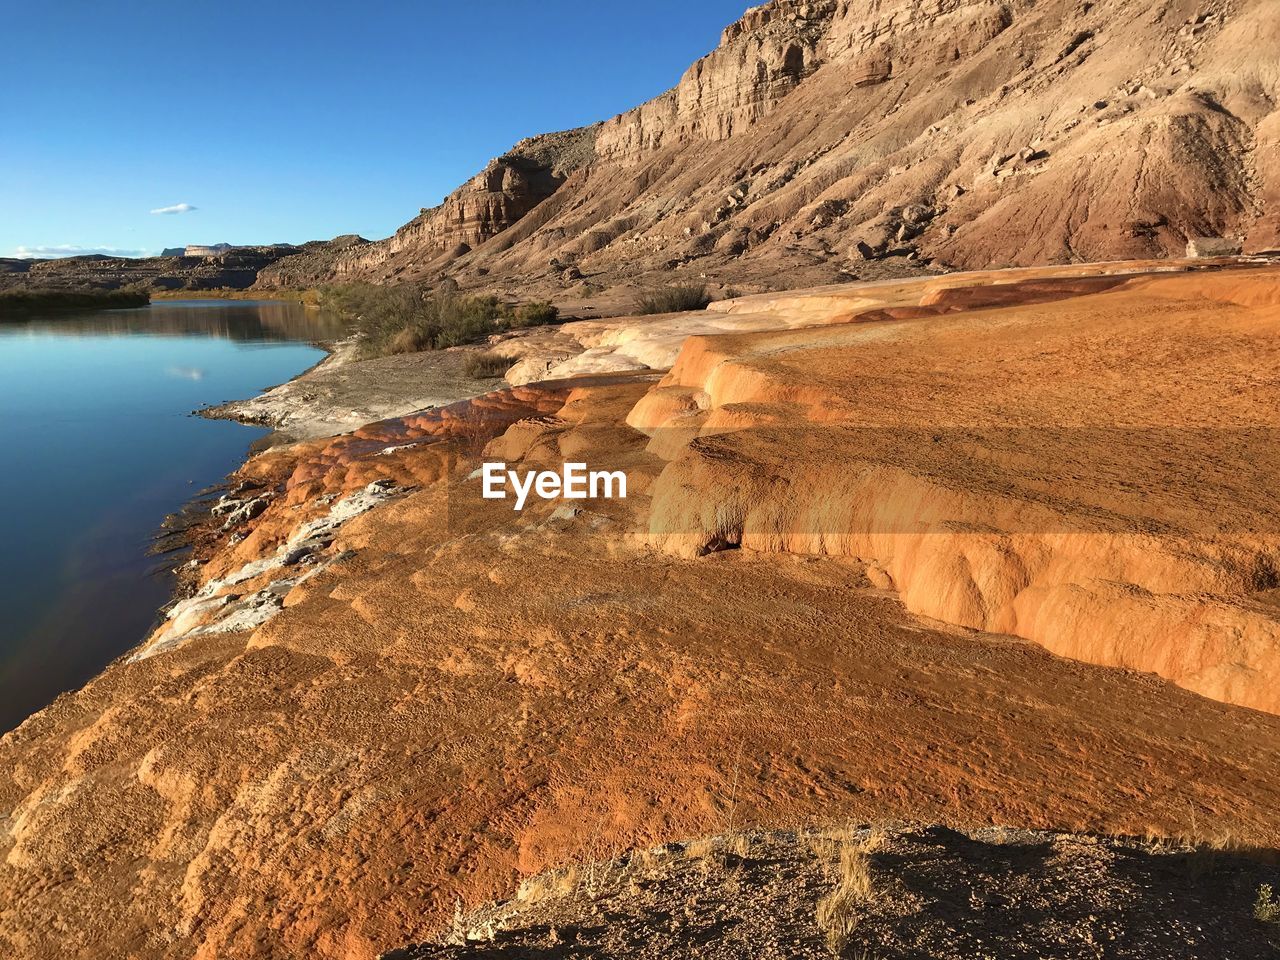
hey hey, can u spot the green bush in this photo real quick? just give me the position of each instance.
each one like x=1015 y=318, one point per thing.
x=485 y=366
x=679 y=298
x=402 y=318
x=458 y=320
x=538 y=313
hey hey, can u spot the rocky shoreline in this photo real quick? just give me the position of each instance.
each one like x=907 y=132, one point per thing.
x=338 y=394
x=343 y=392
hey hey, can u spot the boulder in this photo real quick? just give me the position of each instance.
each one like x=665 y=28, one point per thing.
x=1213 y=247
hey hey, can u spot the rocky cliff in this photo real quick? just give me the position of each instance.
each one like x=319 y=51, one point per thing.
x=493 y=200
x=821 y=137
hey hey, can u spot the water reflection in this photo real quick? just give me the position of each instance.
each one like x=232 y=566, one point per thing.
x=261 y=321
x=99 y=445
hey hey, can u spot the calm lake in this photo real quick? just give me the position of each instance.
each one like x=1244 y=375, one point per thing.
x=99 y=445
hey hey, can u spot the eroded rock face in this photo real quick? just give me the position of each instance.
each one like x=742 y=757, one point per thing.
x=491 y=202
x=1213 y=247
x=1019 y=133
x=761 y=59
x=315 y=260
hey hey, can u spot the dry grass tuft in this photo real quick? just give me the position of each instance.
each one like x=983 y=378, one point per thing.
x=554 y=884
x=649 y=859
x=838 y=910
x=471 y=431
x=700 y=849
x=828 y=845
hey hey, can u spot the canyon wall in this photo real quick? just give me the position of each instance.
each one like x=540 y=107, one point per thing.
x=490 y=202
x=760 y=60
x=826 y=140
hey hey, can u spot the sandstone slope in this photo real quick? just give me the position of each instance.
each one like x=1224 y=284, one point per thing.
x=828 y=137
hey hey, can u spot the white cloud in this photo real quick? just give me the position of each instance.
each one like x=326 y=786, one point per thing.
x=176 y=208
x=67 y=250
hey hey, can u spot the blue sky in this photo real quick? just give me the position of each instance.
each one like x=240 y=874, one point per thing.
x=292 y=121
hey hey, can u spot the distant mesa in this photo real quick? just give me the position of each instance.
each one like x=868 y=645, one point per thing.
x=193 y=267
x=198 y=250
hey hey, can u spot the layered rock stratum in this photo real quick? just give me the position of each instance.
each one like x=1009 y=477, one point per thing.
x=825 y=139
x=986 y=549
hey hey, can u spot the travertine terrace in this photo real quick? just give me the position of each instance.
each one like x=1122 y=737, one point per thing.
x=989 y=548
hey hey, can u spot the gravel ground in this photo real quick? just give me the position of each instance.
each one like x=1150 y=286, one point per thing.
x=905 y=892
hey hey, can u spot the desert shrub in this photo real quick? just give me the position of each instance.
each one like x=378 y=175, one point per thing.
x=482 y=366
x=402 y=318
x=458 y=320
x=535 y=314
x=410 y=339
x=678 y=298
x=1266 y=908
x=383 y=314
